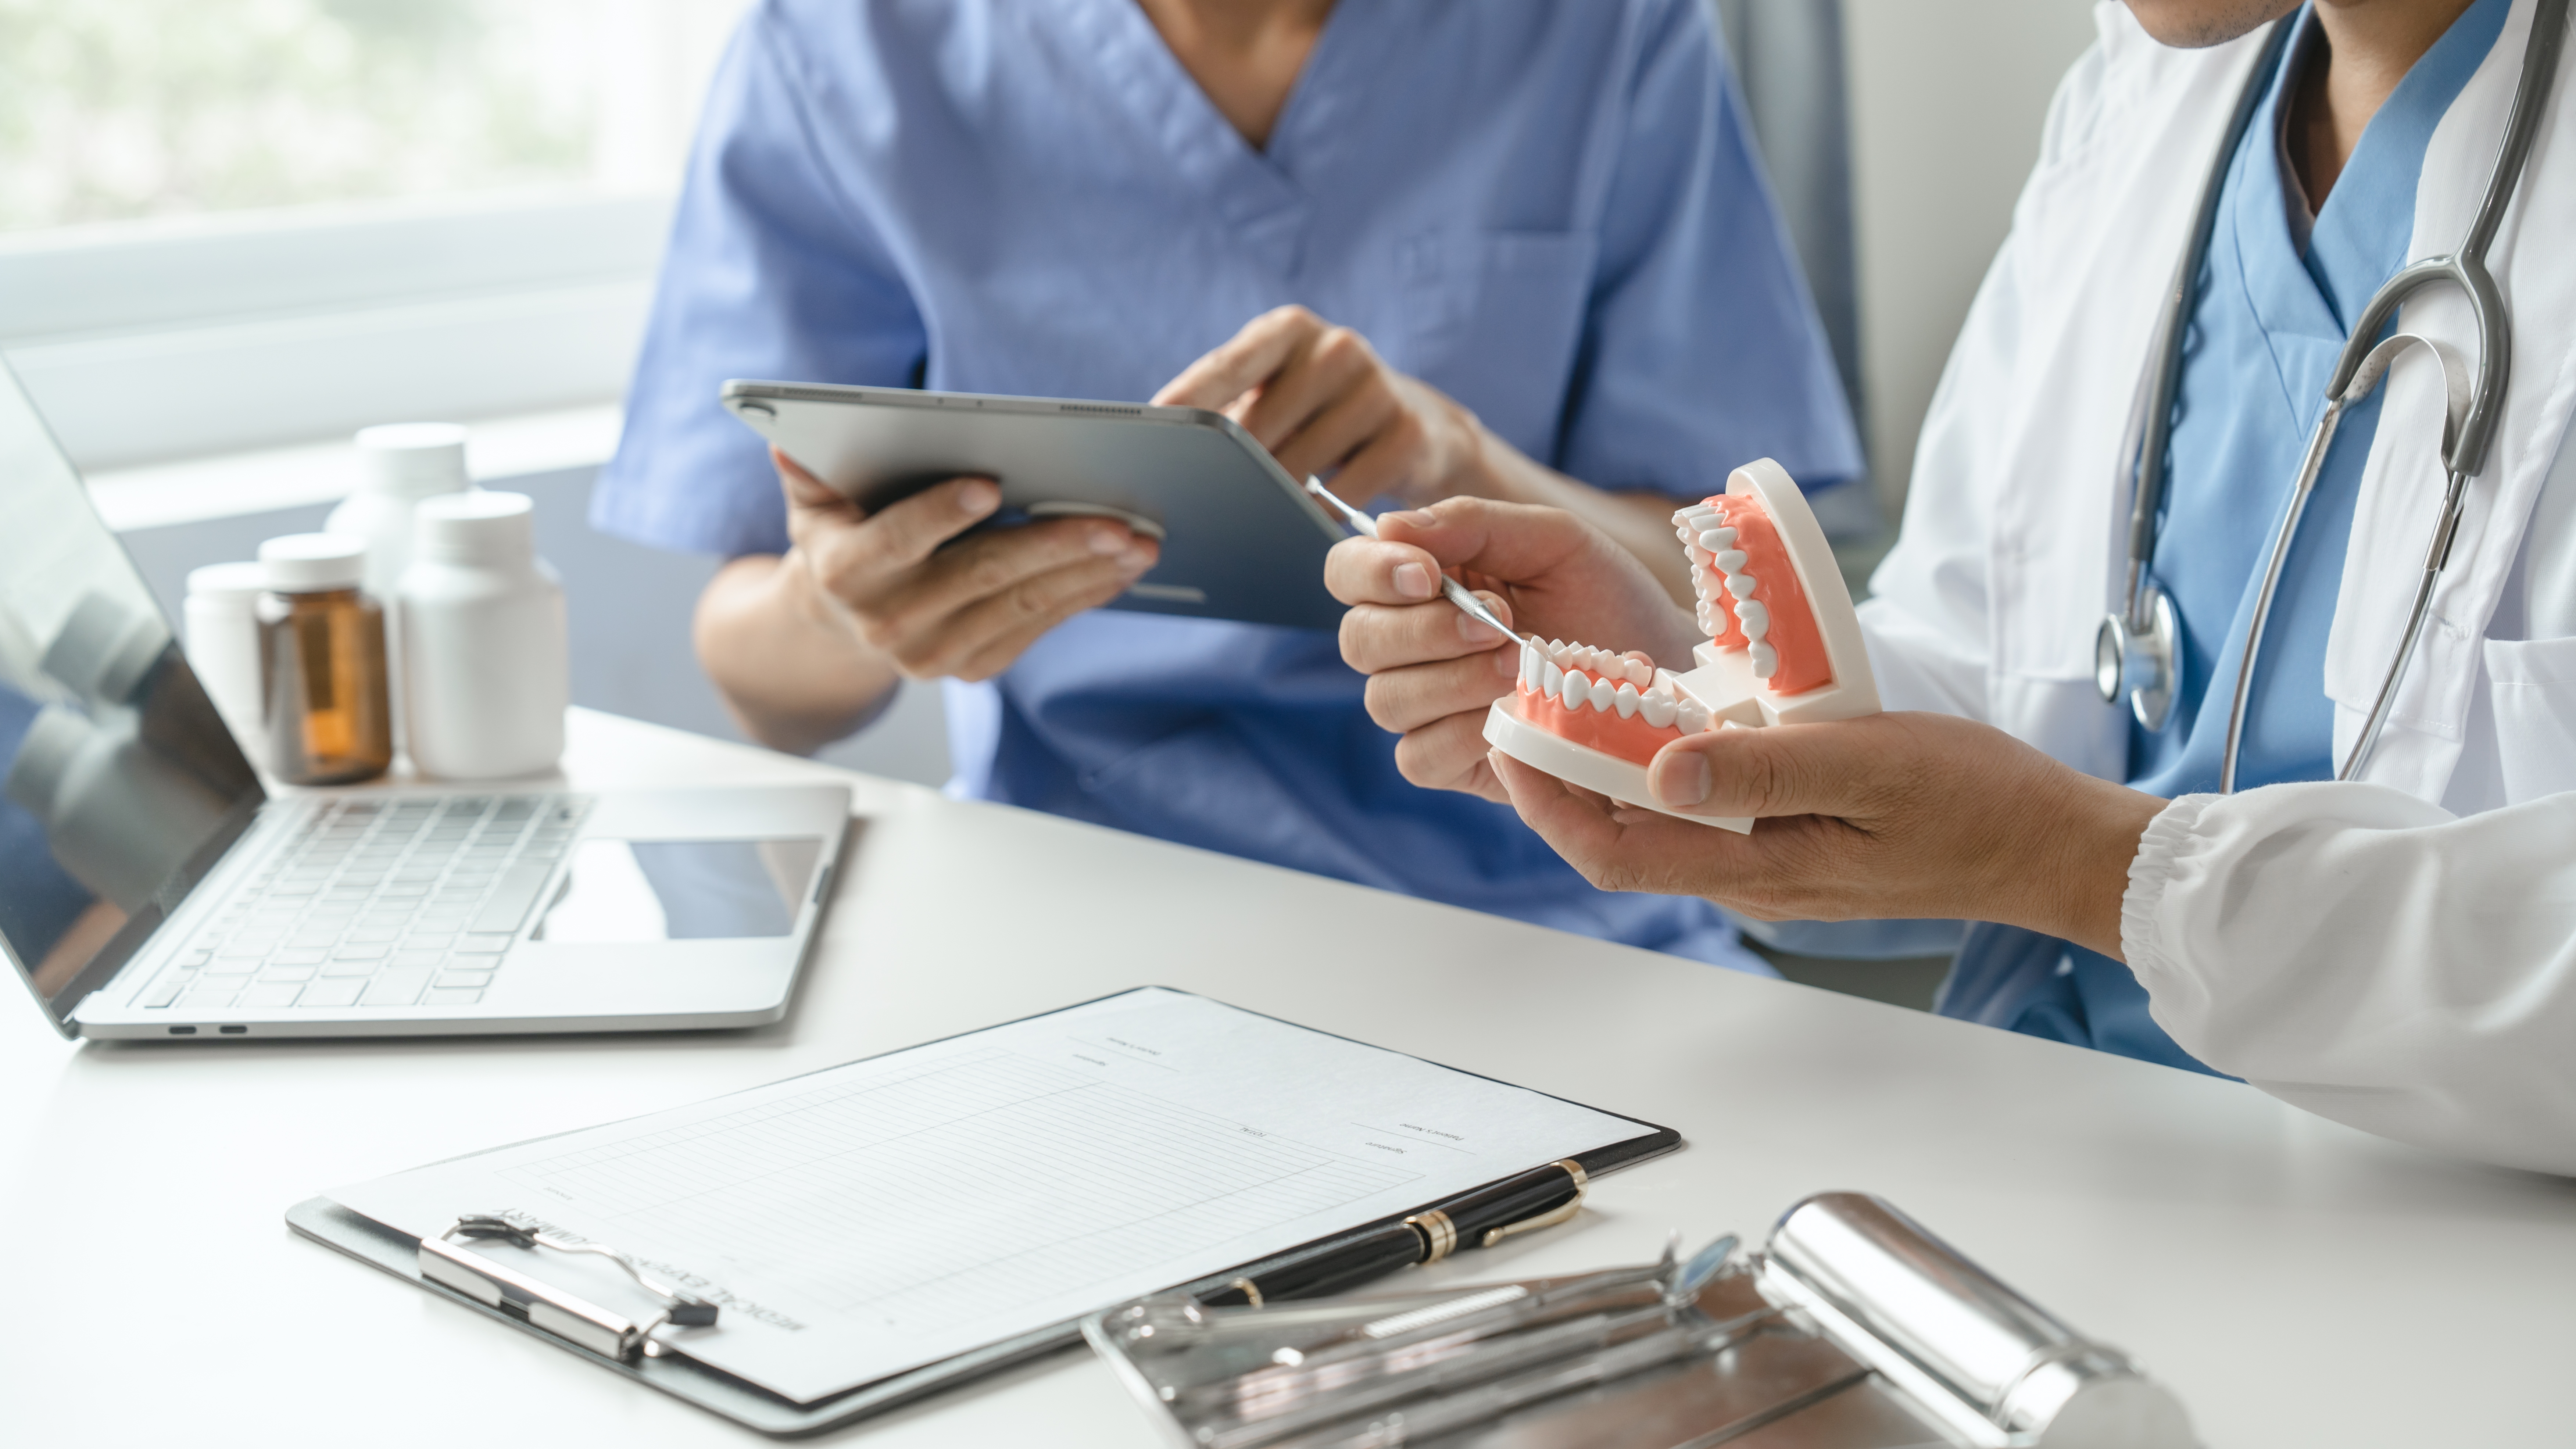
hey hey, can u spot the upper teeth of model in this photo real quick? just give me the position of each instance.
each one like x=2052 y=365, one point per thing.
x=1580 y=677
x=1704 y=532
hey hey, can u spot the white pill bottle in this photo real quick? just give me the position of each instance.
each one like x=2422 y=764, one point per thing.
x=400 y=465
x=223 y=646
x=486 y=656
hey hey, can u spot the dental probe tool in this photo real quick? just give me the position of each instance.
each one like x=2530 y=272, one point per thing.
x=1458 y=593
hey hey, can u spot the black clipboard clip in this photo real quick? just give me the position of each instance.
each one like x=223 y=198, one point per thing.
x=610 y=1334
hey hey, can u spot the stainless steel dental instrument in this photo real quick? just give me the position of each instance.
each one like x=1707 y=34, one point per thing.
x=1456 y=592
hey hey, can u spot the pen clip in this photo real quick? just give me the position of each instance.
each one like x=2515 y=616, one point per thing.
x=1557 y=1214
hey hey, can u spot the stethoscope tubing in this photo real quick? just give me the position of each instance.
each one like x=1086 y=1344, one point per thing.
x=2152 y=432
x=2469 y=423
x=2374 y=366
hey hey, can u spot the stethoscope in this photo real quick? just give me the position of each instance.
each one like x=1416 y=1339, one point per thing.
x=2138 y=647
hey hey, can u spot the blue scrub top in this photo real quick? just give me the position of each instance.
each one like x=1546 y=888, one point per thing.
x=1551 y=212
x=2276 y=297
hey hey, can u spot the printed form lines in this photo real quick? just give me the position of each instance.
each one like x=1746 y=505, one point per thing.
x=738 y=1147
x=1106 y=1252
x=734 y=1121
x=944 y=1196
x=763 y=1151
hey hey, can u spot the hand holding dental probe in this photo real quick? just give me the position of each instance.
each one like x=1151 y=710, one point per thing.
x=1454 y=591
x=1433 y=669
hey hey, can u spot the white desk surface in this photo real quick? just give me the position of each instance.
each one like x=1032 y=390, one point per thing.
x=2297 y=1282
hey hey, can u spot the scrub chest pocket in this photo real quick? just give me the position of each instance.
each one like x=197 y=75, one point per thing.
x=1496 y=318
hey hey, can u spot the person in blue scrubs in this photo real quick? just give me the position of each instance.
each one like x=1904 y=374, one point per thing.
x=1478 y=246
x=2275 y=300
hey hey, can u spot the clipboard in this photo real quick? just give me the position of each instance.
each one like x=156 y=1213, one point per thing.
x=624 y=1344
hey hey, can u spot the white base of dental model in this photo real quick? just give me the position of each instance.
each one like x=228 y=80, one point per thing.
x=1796 y=632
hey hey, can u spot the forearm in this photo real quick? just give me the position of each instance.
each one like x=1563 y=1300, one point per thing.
x=2373 y=959
x=1641 y=523
x=793 y=672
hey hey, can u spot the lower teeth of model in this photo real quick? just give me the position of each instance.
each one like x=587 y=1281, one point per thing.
x=1614 y=688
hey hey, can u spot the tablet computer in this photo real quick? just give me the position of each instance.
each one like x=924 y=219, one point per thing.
x=1240 y=538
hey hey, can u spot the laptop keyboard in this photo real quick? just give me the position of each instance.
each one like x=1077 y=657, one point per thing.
x=378 y=903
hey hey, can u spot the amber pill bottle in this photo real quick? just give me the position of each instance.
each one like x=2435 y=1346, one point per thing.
x=322 y=663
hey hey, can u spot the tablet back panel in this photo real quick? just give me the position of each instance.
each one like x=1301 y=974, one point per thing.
x=1241 y=539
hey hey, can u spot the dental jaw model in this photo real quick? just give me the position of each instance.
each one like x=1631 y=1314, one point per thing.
x=1783 y=647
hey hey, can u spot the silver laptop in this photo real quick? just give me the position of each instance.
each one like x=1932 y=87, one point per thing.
x=149 y=886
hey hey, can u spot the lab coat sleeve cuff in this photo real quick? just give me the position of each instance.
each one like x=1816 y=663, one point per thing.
x=2163 y=850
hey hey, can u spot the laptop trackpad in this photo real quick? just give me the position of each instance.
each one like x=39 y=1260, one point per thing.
x=623 y=891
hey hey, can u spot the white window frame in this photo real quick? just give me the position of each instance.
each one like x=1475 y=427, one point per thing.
x=149 y=342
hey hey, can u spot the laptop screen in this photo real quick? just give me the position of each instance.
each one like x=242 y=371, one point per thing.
x=119 y=785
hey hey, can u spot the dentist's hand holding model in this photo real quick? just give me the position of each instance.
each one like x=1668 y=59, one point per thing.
x=1893 y=815
x=2378 y=921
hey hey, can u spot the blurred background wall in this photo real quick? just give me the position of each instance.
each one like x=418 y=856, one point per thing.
x=1946 y=102
x=229 y=226
x=1898 y=133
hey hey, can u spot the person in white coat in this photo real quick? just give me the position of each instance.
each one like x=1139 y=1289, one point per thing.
x=2396 y=950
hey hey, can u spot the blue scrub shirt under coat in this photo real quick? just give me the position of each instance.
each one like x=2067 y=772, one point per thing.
x=2275 y=296
x=1553 y=213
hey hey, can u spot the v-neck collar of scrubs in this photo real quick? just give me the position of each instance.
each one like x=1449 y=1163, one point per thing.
x=1257 y=191
x=2311 y=287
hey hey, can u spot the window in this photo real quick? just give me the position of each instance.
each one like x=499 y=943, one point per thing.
x=227 y=223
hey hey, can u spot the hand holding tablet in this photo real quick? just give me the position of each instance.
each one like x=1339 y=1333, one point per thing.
x=1232 y=534
x=924 y=583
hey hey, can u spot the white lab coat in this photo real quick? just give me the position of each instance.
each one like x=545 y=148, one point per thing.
x=2398 y=953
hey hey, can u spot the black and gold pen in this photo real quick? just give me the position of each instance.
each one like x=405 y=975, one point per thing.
x=1539 y=1198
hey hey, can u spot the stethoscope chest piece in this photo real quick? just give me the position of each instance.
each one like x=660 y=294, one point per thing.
x=2137 y=654
x=2136 y=648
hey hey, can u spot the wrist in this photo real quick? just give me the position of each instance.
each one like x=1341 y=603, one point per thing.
x=2086 y=877
x=1472 y=452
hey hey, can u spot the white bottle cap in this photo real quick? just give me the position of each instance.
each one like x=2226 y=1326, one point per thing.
x=227 y=582
x=414 y=460
x=312 y=563
x=475 y=528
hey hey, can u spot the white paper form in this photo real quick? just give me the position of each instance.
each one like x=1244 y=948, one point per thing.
x=887 y=1214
